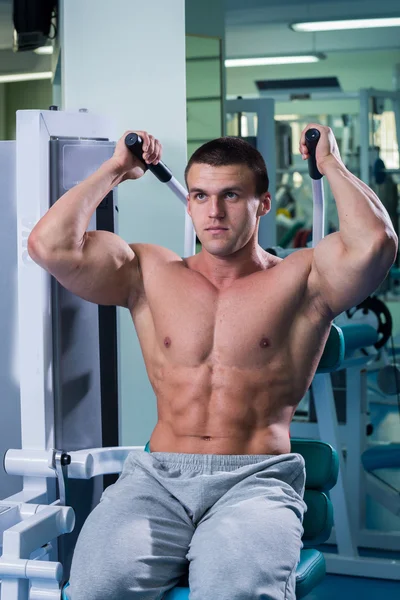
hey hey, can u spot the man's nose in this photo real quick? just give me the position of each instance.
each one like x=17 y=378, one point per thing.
x=217 y=209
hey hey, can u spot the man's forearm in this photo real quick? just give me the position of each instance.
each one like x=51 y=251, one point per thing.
x=363 y=220
x=65 y=223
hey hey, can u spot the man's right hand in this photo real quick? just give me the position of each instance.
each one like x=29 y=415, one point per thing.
x=130 y=166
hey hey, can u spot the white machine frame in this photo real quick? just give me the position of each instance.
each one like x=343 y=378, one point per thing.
x=349 y=495
x=31 y=519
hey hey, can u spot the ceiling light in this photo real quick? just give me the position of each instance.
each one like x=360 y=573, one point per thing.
x=12 y=77
x=272 y=60
x=44 y=50
x=345 y=24
x=286 y=117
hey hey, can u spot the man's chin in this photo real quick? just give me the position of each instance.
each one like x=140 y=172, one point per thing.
x=218 y=250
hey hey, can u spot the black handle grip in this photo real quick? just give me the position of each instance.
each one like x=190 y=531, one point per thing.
x=135 y=144
x=312 y=137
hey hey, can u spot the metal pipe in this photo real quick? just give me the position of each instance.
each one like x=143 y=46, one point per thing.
x=312 y=137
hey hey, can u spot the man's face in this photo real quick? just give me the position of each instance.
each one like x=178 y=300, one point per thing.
x=224 y=207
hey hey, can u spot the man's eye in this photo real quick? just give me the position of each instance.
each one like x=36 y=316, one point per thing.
x=231 y=195
x=200 y=196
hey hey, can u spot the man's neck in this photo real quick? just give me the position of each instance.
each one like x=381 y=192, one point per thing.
x=222 y=271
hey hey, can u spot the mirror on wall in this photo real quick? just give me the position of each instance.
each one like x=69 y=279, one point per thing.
x=204 y=90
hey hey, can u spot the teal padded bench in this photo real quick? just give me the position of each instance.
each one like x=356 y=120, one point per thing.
x=322 y=468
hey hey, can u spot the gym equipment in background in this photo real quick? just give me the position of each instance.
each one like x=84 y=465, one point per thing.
x=265 y=142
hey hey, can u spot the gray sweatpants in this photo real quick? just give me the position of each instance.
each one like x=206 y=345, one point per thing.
x=235 y=521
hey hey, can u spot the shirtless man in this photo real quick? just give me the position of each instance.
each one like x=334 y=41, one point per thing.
x=231 y=339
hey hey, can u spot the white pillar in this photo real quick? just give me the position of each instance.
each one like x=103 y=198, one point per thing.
x=10 y=420
x=2 y=111
x=126 y=59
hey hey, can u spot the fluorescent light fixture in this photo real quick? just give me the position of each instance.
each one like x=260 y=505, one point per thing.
x=272 y=60
x=12 y=77
x=44 y=50
x=346 y=24
x=286 y=117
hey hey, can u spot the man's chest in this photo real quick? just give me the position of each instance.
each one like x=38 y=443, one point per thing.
x=247 y=325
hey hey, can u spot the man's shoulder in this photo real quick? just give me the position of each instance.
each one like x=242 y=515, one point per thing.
x=300 y=259
x=294 y=274
x=152 y=254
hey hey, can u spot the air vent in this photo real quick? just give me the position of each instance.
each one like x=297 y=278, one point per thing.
x=300 y=89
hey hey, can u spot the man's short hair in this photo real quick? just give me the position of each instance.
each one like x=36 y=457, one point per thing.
x=227 y=151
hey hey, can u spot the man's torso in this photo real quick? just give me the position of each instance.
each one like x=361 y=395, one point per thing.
x=229 y=366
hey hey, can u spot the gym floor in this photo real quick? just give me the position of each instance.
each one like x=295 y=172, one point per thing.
x=348 y=588
x=386 y=421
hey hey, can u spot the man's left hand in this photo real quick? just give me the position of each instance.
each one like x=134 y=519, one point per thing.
x=326 y=151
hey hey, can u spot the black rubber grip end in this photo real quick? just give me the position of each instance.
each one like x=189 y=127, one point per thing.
x=312 y=137
x=134 y=143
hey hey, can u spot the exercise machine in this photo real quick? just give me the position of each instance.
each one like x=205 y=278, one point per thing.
x=66 y=355
x=68 y=413
x=370 y=327
x=62 y=358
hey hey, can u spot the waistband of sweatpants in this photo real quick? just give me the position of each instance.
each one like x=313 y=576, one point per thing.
x=221 y=460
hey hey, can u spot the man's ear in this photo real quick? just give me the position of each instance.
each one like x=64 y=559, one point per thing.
x=265 y=204
x=188 y=205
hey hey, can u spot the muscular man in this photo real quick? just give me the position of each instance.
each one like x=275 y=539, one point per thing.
x=231 y=338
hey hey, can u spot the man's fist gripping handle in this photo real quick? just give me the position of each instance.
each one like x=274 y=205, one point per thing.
x=312 y=136
x=135 y=144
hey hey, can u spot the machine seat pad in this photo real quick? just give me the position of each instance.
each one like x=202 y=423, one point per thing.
x=333 y=354
x=318 y=519
x=310 y=572
x=386 y=456
x=358 y=336
x=321 y=460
